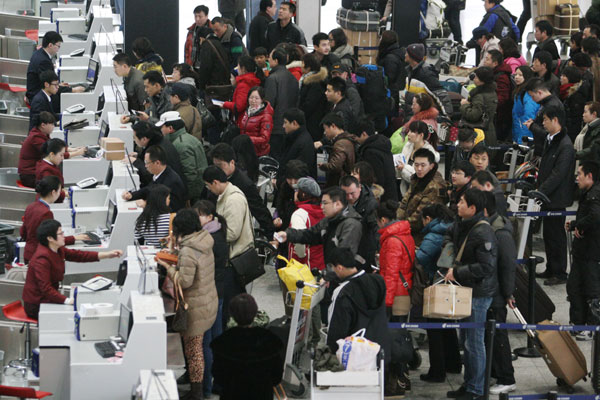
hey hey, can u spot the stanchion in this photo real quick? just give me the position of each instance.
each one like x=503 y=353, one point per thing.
x=490 y=332
x=503 y=396
x=448 y=155
x=552 y=395
x=530 y=351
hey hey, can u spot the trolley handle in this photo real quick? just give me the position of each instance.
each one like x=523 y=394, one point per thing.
x=301 y=284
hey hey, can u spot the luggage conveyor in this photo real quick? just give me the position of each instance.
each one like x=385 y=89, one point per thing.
x=13 y=199
x=13 y=130
x=13 y=72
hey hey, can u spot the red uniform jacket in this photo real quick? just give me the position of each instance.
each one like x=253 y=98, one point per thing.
x=31 y=151
x=258 y=127
x=240 y=95
x=47 y=269
x=43 y=169
x=393 y=259
x=35 y=213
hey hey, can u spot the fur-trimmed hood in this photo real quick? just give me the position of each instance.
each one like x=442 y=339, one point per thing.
x=431 y=113
x=316 y=77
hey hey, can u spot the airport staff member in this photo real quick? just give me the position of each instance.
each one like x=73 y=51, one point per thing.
x=49 y=190
x=47 y=267
x=41 y=61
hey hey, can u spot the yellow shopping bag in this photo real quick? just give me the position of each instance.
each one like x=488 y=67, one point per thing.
x=296 y=271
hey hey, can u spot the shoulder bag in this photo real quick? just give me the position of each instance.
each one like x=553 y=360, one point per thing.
x=218 y=92
x=180 y=321
x=402 y=304
x=247 y=266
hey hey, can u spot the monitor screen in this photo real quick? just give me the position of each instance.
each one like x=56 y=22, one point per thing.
x=125 y=322
x=92 y=72
x=109 y=175
x=111 y=217
x=101 y=101
x=104 y=129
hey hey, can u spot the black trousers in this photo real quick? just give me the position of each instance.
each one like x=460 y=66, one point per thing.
x=277 y=143
x=502 y=368
x=525 y=17
x=583 y=284
x=231 y=289
x=555 y=243
x=444 y=354
x=452 y=15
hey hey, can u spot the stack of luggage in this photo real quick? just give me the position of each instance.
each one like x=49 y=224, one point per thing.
x=360 y=22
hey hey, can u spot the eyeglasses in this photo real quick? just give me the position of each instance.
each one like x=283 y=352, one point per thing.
x=324 y=203
x=55 y=84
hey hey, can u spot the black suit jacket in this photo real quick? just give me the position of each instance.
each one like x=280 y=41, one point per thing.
x=173 y=160
x=38 y=104
x=555 y=174
x=40 y=61
x=170 y=179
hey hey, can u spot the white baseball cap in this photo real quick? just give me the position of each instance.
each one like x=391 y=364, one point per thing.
x=168 y=117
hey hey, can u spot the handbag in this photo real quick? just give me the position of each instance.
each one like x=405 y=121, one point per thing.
x=218 y=92
x=451 y=85
x=403 y=350
x=402 y=304
x=247 y=266
x=180 y=321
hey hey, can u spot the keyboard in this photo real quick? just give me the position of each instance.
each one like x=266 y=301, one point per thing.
x=94 y=239
x=105 y=349
x=91 y=152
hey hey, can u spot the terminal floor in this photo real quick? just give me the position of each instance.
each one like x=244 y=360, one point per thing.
x=531 y=374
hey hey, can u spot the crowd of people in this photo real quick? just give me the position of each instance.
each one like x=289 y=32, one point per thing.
x=364 y=216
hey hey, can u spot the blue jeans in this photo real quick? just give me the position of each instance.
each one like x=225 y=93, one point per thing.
x=209 y=335
x=474 y=345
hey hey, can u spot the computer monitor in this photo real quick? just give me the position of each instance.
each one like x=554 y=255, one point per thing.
x=130 y=169
x=101 y=101
x=111 y=217
x=109 y=175
x=92 y=72
x=125 y=322
x=104 y=130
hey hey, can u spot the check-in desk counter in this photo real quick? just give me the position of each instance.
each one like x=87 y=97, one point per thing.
x=103 y=22
x=121 y=234
x=115 y=101
x=119 y=130
x=78 y=168
x=72 y=369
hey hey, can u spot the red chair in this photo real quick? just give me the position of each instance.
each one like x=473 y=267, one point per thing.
x=15 y=312
x=23 y=392
x=20 y=184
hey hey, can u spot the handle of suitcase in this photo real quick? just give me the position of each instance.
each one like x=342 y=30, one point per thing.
x=522 y=320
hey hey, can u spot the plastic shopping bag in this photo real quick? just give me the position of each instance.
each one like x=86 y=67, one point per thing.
x=296 y=271
x=356 y=353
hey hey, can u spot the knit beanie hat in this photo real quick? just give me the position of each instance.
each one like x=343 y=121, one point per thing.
x=416 y=51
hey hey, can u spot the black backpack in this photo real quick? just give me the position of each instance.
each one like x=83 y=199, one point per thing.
x=373 y=89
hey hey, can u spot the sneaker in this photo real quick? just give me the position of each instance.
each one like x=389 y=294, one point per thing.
x=498 y=388
x=584 y=336
x=394 y=392
x=453 y=394
x=404 y=382
x=470 y=396
x=432 y=379
x=544 y=275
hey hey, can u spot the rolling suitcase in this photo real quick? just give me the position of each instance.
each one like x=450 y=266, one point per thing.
x=560 y=352
x=358 y=20
x=544 y=307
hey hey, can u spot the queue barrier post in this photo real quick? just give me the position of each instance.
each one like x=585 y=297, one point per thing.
x=490 y=332
x=530 y=351
x=552 y=395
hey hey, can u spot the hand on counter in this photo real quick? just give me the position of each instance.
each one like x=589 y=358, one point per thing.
x=82 y=236
x=77 y=151
x=126 y=196
x=110 y=254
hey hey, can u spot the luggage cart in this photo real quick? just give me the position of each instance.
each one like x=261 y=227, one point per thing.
x=294 y=380
x=348 y=385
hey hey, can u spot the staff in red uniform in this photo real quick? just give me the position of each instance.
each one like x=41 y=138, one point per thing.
x=54 y=154
x=47 y=267
x=31 y=149
x=49 y=190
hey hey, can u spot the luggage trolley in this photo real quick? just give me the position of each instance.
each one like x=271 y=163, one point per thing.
x=294 y=380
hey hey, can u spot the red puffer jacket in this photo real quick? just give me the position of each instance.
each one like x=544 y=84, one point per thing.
x=240 y=95
x=393 y=259
x=258 y=126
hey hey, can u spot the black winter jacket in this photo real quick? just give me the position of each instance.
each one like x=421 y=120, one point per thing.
x=258 y=31
x=555 y=174
x=591 y=143
x=360 y=304
x=587 y=222
x=549 y=46
x=343 y=230
x=507 y=257
x=290 y=34
x=429 y=76
x=366 y=206
x=477 y=267
x=212 y=71
x=377 y=151
x=394 y=67
x=173 y=159
x=574 y=104
x=299 y=145
x=281 y=91
x=313 y=102
x=537 y=128
x=344 y=110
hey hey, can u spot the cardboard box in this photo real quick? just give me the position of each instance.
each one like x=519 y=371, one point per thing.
x=447 y=301
x=367 y=56
x=547 y=8
x=566 y=19
x=363 y=39
x=114 y=155
x=111 y=144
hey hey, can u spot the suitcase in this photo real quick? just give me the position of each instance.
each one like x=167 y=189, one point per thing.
x=280 y=327
x=560 y=352
x=544 y=307
x=360 y=4
x=566 y=19
x=358 y=20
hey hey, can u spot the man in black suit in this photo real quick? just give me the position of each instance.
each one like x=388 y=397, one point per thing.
x=41 y=61
x=155 y=160
x=42 y=101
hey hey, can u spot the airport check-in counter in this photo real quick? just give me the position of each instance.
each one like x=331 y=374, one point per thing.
x=117 y=218
x=72 y=369
x=106 y=77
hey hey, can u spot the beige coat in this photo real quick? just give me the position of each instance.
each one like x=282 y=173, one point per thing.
x=191 y=118
x=196 y=265
x=232 y=205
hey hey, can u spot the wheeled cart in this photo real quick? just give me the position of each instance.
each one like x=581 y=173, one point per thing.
x=348 y=385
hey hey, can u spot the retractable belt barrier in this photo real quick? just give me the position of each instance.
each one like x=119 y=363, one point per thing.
x=549 y=396
x=481 y=325
x=442 y=147
x=523 y=214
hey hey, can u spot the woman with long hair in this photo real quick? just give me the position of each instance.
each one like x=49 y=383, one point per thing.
x=423 y=109
x=390 y=56
x=257 y=121
x=512 y=55
x=216 y=225
x=195 y=273
x=524 y=108
x=419 y=135
x=54 y=154
x=340 y=47
x=312 y=98
x=246 y=158
x=249 y=76
x=147 y=58
x=49 y=189
x=153 y=223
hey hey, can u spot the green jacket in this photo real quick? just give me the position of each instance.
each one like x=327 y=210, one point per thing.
x=480 y=112
x=193 y=160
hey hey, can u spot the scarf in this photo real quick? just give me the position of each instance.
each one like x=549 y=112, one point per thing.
x=564 y=90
